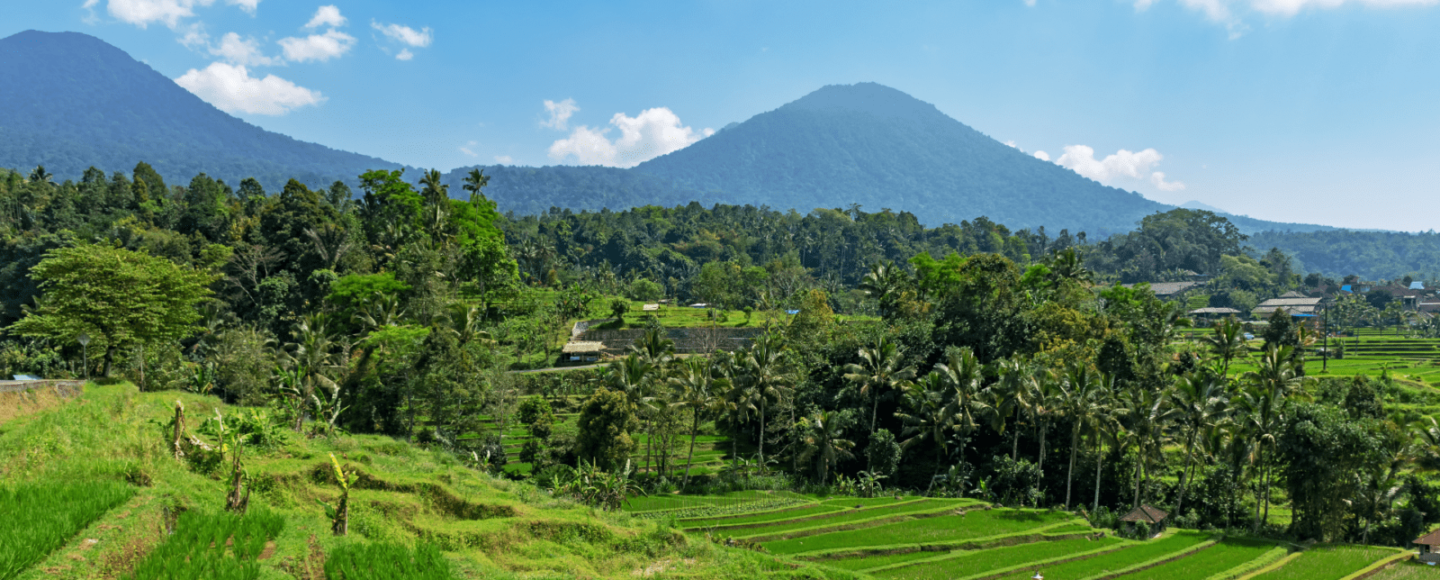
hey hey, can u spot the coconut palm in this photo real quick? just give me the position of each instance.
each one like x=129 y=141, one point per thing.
x=1201 y=403
x=697 y=388
x=964 y=376
x=1274 y=381
x=1227 y=343
x=822 y=438
x=1147 y=414
x=927 y=416
x=1010 y=397
x=766 y=375
x=475 y=183
x=1083 y=400
x=880 y=369
x=1046 y=401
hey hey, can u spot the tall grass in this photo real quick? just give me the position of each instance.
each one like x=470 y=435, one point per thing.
x=386 y=561
x=37 y=519
x=214 y=546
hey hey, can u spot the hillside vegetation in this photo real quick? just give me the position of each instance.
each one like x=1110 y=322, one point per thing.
x=404 y=496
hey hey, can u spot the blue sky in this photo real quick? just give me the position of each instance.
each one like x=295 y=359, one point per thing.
x=1321 y=111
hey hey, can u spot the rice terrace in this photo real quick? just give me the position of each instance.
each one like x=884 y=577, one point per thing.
x=933 y=290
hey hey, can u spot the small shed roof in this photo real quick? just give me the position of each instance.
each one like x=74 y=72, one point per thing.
x=1430 y=539
x=1417 y=285
x=1293 y=294
x=1214 y=310
x=650 y=307
x=1145 y=513
x=583 y=346
x=1290 y=305
x=1168 y=288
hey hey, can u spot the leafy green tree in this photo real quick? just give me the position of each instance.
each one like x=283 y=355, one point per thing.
x=699 y=391
x=822 y=437
x=881 y=368
x=1201 y=403
x=1227 y=342
x=1083 y=402
x=120 y=298
x=606 y=420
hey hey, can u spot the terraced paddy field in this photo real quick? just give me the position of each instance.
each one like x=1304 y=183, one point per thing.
x=918 y=538
x=1330 y=563
x=920 y=533
x=1408 y=571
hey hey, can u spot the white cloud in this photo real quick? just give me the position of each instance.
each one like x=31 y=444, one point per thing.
x=559 y=113
x=193 y=36
x=326 y=16
x=246 y=5
x=321 y=47
x=143 y=12
x=1030 y=3
x=242 y=51
x=1230 y=12
x=652 y=133
x=1121 y=166
x=168 y=12
x=504 y=160
x=232 y=89
x=404 y=54
x=1041 y=155
x=466 y=150
x=405 y=34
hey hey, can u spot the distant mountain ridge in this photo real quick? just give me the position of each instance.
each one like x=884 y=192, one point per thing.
x=862 y=144
x=86 y=103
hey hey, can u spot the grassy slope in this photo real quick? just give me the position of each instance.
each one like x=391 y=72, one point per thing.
x=490 y=528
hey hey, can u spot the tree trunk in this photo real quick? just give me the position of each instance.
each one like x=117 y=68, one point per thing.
x=109 y=359
x=1185 y=473
x=1136 y=498
x=1099 y=458
x=690 y=459
x=762 y=432
x=1266 y=518
x=1040 y=466
x=1255 y=523
x=1070 y=473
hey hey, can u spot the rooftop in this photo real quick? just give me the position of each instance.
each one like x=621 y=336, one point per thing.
x=1144 y=513
x=582 y=346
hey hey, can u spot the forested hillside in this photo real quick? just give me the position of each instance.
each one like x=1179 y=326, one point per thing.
x=1370 y=255
x=88 y=103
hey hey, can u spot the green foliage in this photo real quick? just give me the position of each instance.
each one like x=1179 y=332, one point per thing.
x=1328 y=563
x=606 y=420
x=38 y=518
x=385 y=561
x=211 y=545
x=120 y=298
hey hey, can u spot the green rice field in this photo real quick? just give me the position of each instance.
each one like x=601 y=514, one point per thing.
x=1329 y=563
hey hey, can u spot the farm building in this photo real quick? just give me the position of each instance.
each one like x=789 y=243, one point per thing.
x=1152 y=517
x=1212 y=313
x=583 y=351
x=1165 y=289
x=1427 y=544
x=1289 y=305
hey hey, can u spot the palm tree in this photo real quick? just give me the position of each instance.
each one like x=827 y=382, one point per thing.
x=964 y=376
x=1067 y=265
x=885 y=282
x=1083 y=400
x=1046 y=400
x=1010 y=396
x=765 y=373
x=1147 y=414
x=654 y=348
x=1227 y=343
x=475 y=183
x=1274 y=381
x=437 y=197
x=928 y=416
x=1201 y=402
x=696 y=386
x=879 y=370
x=822 y=438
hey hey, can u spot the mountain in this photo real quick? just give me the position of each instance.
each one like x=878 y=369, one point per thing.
x=861 y=144
x=83 y=102
x=878 y=147
x=86 y=103
x=1193 y=204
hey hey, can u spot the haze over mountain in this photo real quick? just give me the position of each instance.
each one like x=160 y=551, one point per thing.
x=866 y=144
x=86 y=103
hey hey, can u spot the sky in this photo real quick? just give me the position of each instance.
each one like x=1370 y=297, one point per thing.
x=1315 y=111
